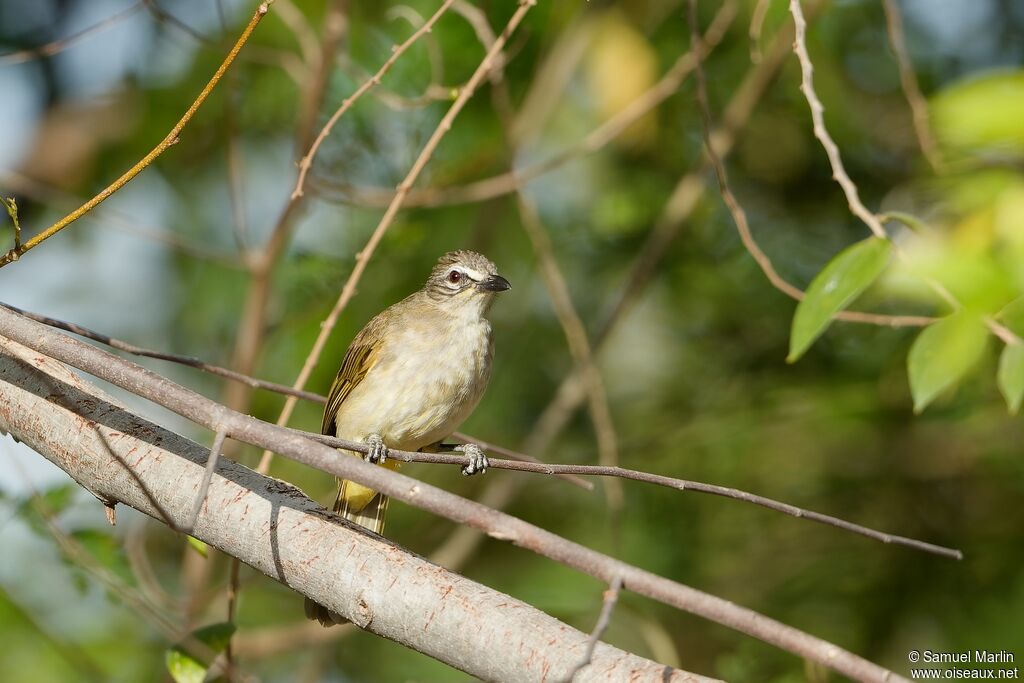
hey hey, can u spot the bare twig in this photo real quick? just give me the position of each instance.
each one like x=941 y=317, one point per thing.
x=307 y=161
x=756 y=26
x=740 y=217
x=160 y=14
x=305 y=36
x=911 y=89
x=820 y=132
x=108 y=217
x=61 y=44
x=171 y=357
x=870 y=219
x=649 y=478
x=167 y=142
x=335 y=26
x=499 y=525
x=609 y=599
x=521 y=457
x=204 y=486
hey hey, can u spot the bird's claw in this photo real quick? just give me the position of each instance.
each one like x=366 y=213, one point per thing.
x=478 y=463
x=377 y=452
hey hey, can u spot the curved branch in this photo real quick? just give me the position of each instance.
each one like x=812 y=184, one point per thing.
x=519 y=462
x=276 y=529
x=165 y=144
x=496 y=524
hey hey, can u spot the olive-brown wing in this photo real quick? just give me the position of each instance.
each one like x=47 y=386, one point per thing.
x=361 y=356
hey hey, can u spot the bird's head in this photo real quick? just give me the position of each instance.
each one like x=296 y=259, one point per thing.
x=466 y=281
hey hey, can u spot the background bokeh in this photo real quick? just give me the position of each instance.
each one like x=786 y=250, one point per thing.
x=697 y=381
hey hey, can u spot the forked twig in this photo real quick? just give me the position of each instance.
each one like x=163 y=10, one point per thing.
x=170 y=139
x=608 y=602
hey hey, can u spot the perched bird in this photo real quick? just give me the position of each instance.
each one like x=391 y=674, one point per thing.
x=410 y=377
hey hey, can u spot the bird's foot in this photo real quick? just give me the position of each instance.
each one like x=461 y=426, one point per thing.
x=477 y=460
x=378 y=452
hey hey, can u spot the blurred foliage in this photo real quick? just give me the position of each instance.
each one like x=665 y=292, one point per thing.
x=696 y=373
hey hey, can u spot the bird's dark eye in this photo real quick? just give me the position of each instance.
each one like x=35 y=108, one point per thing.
x=454 y=276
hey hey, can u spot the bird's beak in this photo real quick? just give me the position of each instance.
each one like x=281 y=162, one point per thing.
x=495 y=283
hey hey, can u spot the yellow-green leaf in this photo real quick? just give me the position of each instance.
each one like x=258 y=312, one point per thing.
x=942 y=354
x=1011 y=376
x=1012 y=316
x=840 y=282
x=198 y=546
x=184 y=667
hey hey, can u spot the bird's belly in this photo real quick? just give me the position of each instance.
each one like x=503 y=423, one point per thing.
x=418 y=400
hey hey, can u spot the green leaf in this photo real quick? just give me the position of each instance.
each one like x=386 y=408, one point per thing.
x=840 y=282
x=199 y=546
x=185 y=668
x=1011 y=376
x=1012 y=316
x=977 y=114
x=942 y=354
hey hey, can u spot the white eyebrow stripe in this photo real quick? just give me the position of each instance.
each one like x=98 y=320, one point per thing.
x=474 y=274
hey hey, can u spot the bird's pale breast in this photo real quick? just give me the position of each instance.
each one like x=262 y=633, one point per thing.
x=427 y=382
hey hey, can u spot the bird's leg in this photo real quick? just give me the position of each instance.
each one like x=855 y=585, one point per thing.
x=378 y=452
x=477 y=460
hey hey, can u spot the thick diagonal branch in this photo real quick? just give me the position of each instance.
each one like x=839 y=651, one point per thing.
x=238 y=426
x=276 y=529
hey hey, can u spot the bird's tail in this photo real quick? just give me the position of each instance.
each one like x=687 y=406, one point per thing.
x=351 y=504
x=365 y=507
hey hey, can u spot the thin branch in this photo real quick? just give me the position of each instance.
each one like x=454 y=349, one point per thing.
x=497 y=524
x=648 y=478
x=305 y=36
x=756 y=26
x=108 y=217
x=609 y=599
x=61 y=44
x=820 y=132
x=170 y=357
x=167 y=142
x=870 y=219
x=396 y=52
x=555 y=282
x=739 y=215
x=521 y=457
x=160 y=14
x=911 y=89
x=204 y=486
x=335 y=26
